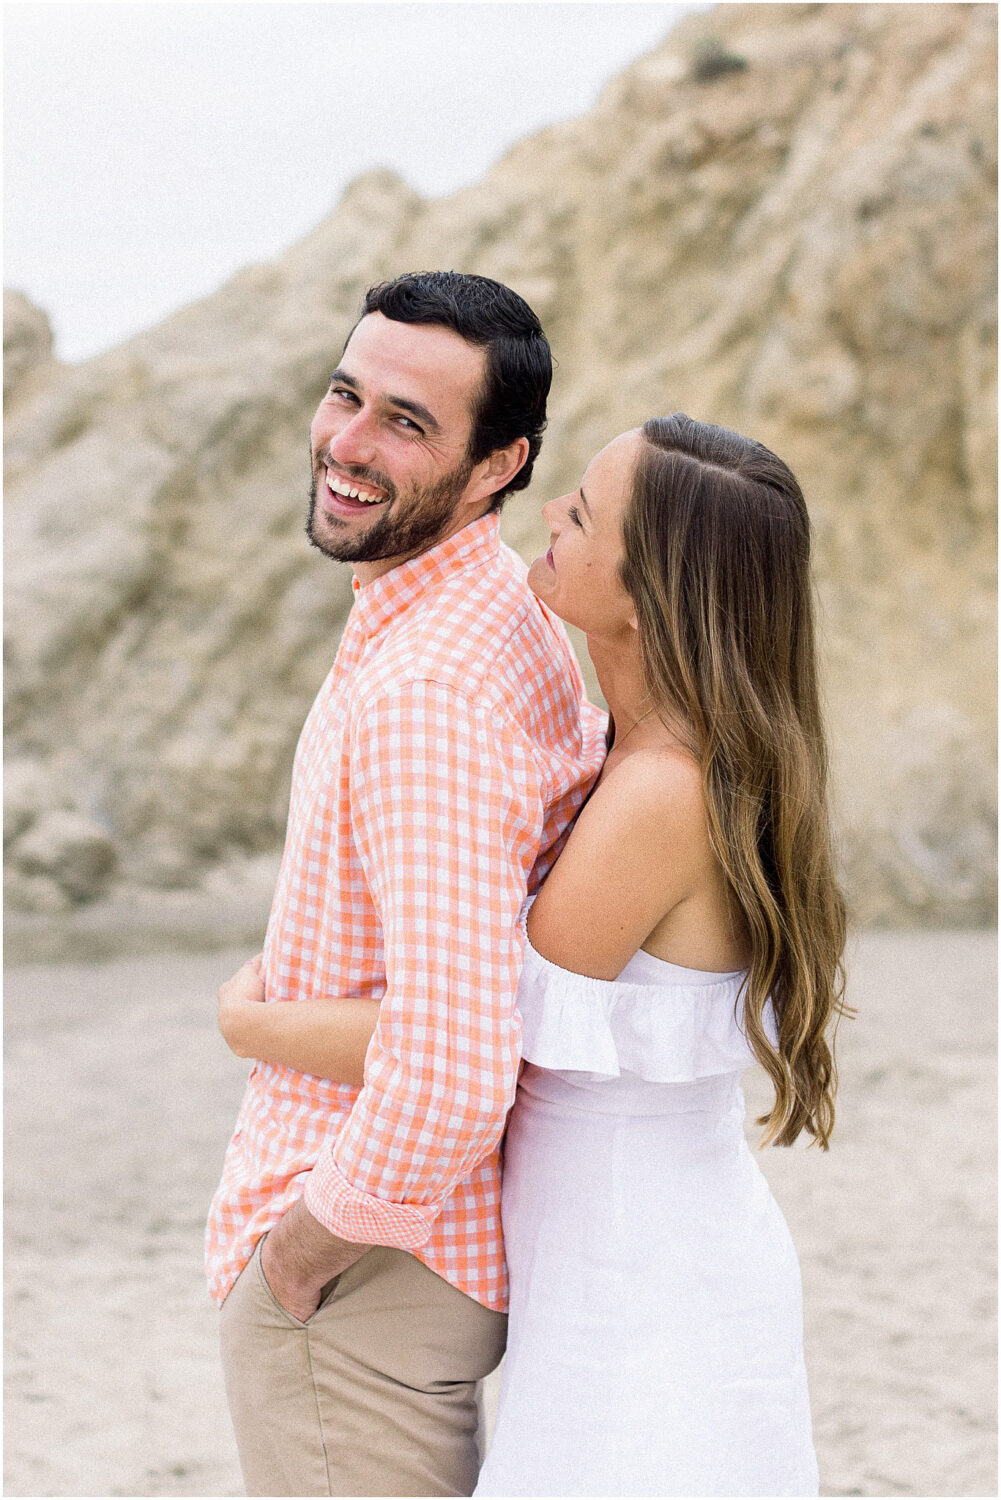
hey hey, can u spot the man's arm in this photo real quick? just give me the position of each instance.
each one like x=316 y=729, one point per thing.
x=447 y=816
x=327 y=1038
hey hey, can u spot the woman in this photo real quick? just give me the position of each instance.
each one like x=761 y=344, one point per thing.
x=691 y=925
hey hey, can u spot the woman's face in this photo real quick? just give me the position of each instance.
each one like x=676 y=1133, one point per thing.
x=579 y=577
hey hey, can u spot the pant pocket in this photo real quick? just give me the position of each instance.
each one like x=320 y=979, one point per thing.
x=327 y=1293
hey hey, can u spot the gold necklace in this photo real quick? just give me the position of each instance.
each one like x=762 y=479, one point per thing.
x=629 y=731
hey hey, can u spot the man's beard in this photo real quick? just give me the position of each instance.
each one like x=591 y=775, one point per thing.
x=426 y=518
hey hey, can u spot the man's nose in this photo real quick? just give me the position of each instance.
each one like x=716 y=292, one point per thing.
x=354 y=443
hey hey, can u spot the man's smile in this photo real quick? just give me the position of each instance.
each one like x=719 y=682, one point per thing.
x=347 y=496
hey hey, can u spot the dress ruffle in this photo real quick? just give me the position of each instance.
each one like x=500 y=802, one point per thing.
x=675 y=1032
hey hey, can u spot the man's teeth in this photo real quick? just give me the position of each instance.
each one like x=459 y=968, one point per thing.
x=340 y=487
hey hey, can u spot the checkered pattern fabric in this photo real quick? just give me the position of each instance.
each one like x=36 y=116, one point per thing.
x=435 y=780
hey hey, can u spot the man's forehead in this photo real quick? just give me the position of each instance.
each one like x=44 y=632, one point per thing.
x=384 y=353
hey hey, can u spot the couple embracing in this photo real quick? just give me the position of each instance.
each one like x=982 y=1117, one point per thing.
x=520 y=953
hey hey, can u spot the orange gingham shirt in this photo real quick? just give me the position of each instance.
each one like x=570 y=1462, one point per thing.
x=435 y=779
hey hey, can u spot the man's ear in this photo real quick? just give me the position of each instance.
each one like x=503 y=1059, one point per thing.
x=502 y=465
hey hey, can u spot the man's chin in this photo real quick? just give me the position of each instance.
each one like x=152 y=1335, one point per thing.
x=334 y=538
x=396 y=533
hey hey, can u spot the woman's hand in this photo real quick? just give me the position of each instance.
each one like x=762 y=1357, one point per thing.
x=240 y=999
x=328 y=1038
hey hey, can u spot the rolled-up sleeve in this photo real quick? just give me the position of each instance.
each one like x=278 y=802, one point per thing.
x=447 y=816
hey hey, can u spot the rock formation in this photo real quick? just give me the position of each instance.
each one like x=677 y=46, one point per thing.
x=781 y=219
x=27 y=342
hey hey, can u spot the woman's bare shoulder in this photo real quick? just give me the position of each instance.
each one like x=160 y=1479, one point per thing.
x=638 y=847
x=657 y=788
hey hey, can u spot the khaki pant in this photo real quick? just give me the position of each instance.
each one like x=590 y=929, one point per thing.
x=376 y=1394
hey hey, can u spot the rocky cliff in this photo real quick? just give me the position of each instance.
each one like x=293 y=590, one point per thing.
x=782 y=219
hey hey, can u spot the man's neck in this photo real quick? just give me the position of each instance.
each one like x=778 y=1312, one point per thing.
x=368 y=572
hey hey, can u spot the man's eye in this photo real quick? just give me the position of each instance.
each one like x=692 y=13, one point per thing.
x=340 y=390
x=409 y=425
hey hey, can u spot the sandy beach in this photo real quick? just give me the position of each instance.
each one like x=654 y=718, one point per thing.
x=120 y=1101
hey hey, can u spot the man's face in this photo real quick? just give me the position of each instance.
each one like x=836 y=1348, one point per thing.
x=393 y=428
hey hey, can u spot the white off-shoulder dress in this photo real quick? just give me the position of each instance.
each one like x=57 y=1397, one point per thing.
x=655 y=1343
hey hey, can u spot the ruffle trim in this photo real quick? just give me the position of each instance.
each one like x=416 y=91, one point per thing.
x=670 y=1033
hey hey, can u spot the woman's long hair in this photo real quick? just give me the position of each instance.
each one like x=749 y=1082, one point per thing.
x=717 y=561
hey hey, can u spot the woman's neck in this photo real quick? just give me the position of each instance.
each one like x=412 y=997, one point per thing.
x=623 y=686
x=620 y=677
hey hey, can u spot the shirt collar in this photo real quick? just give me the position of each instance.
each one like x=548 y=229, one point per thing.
x=379 y=602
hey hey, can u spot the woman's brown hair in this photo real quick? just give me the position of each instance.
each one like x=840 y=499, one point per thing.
x=717 y=561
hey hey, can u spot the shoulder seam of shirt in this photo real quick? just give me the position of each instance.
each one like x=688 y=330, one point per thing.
x=477 y=698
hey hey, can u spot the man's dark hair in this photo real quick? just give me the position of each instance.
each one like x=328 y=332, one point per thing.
x=512 y=401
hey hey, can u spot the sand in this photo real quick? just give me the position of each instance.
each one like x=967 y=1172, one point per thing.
x=120 y=1101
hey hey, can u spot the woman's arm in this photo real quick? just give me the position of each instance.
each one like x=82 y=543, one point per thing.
x=636 y=851
x=328 y=1038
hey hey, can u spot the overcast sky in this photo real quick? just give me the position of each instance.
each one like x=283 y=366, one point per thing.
x=152 y=149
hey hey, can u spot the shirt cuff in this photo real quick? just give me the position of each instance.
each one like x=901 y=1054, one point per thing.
x=361 y=1218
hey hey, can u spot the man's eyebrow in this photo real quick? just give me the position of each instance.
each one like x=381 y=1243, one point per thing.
x=343 y=378
x=583 y=501
x=416 y=409
x=413 y=407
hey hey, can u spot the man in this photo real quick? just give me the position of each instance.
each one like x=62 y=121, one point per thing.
x=436 y=775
